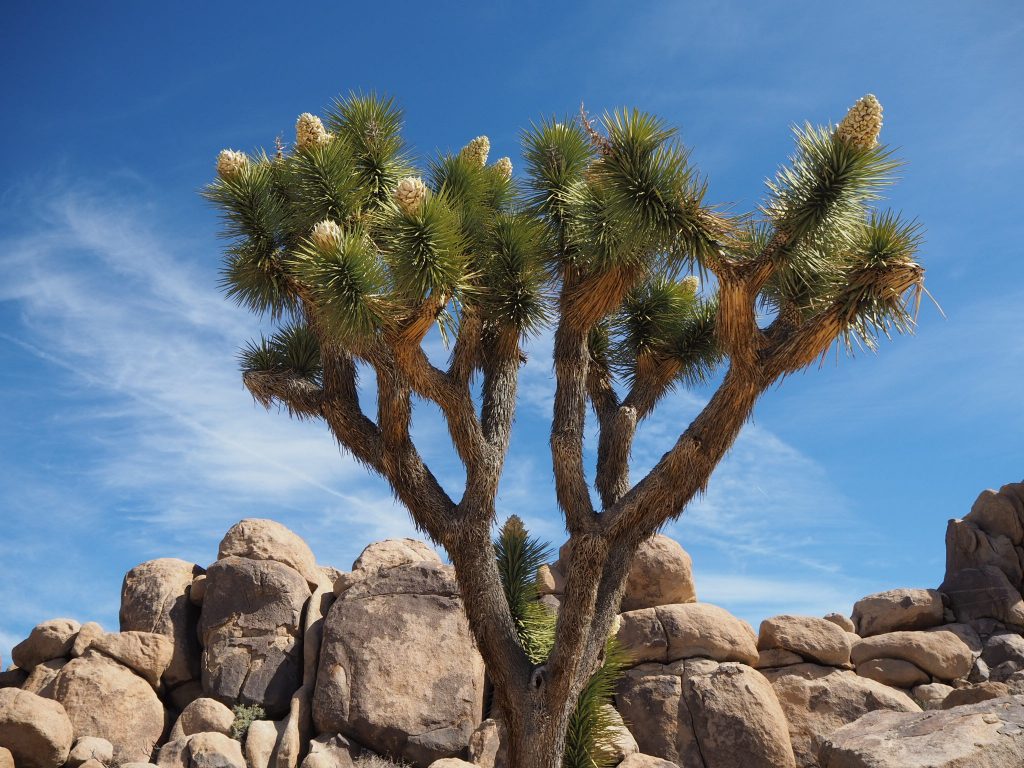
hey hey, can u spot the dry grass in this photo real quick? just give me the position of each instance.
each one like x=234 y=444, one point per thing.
x=376 y=761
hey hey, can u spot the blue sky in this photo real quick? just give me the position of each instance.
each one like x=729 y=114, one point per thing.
x=127 y=434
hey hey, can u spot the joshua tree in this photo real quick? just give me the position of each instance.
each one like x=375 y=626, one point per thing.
x=356 y=257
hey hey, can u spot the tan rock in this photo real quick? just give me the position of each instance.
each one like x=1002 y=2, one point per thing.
x=451 y=762
x=36 y=731
x=550 y=580
x=295 y=729
x=622 y=744
x=986 y=735
x=6 y=758
x=214 y=750
x=894 y=672
x=996 y=513
x=42 y=677
x=646 y=761
x=83 y=640
x=147 y=654
x=258 y=539
x=814 y=639
x=197 y=592
x=661 y=574
x=204 y=715
x=777 y=657
x=313 y=629
x=182 y=695
x=975 y=694
x=940 y=654
x=261 y=743
x=969 y=547
x=91 y=748
x=391 y=553
x=817 y=700
x=965 y=632
x=984 y=593
x=398 y=665
x=931 y=695
x=106 y=699
x=671 y=632
x=92 y=764
x=330 y=751
x=842 y=622
x=155 y=598
x=897 y=609
x=49 y=640
x=251 y=630
x=487 y=747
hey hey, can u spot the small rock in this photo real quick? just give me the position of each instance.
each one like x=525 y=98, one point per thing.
x=979 y=672
x=91 y=748
x=841 y=621
x=975 y=694
x=261 y=742
x=203 y=715
x=645 y=761
x=931 y=695
x=197 y=592
x=214 y=750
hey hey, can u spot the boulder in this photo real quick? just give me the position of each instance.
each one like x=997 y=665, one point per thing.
x=295 y=730
x=777 y=657
x=550 y=580
x=894 y=672
x=697 y=712
x=487 y=747
x=214 y=750
x=13 y=678
x=261 y=743
x=6 y=758
x=986 y=735
x=451 y=762
x=841 y=621
x=974 y=694
x=399 y=670
x=940 y=654
x=36 y=731
x=979 y=672
x=621 y=743
x=181 y=696
x=661 y=574
x=968 y=546
x=43 y=675
x=646 y=761
x=147 y=654
x=966 y=633
x=89 y=632
x=1002 y=647
x=897 y=609
x=203 y=715
x=998 y=513
x=984 y=593
x=106 y=699
x=312 y=633
x=931 y=695
x=672 y=632
x=817 y=700
x=91 y=748
x=251 y=632
x=154 y=598
x=391 y=553
x=330 y=751
x=812 y=638
x=257 y=539
x=197 y=592
x=49 y=640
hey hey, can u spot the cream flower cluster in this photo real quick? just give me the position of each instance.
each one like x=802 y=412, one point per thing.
x=410 y=193
x=477 y=150
x=504 y=167
x=325 y=234
x=231 y=163
x=862 y=123
x=310 y=132
x=691 y=283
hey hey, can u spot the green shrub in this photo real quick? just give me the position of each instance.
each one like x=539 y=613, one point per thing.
x=244 y=717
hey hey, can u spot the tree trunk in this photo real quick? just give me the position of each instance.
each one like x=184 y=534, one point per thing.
x=536 y=734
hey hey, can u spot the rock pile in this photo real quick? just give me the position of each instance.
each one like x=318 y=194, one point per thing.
x=379 y=660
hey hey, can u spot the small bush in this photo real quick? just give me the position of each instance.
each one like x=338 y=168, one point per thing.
x=244 y=717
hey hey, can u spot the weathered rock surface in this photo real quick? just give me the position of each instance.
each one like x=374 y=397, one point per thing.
x=814 y=639
x=43 y=675
x=106 y=699
x=205 y=750
x=423 y=708
x=147 y=654
x=941 y=654
x=154 y=598
x=392 y=553
x=777 y=657
x=330 y=751
x=986 y=735
x=49 y=640
x=258 y=539
x=697 y=712
x=251 y=632
x=203 y=715
x=841 y=621
x=646 y=761
x=984 y=593
x=261 y=742
x=36 y=731
x=974 y=694
x=91 y=748
x=818 y=700
x=661 y=574
x=487 y=745
x=895 y=672
x=897 y=609
x=931 y=695
x=672 y=632
x=1003 y=647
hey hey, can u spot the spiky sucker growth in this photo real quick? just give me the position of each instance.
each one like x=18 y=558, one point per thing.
x=355 y=255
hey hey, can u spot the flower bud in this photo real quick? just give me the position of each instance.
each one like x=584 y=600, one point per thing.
x=326 y=234
x=504 y=167
x=310 y=132
x=231 y=163
x=477 y=150
x=862 y=123
x=410 y=194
